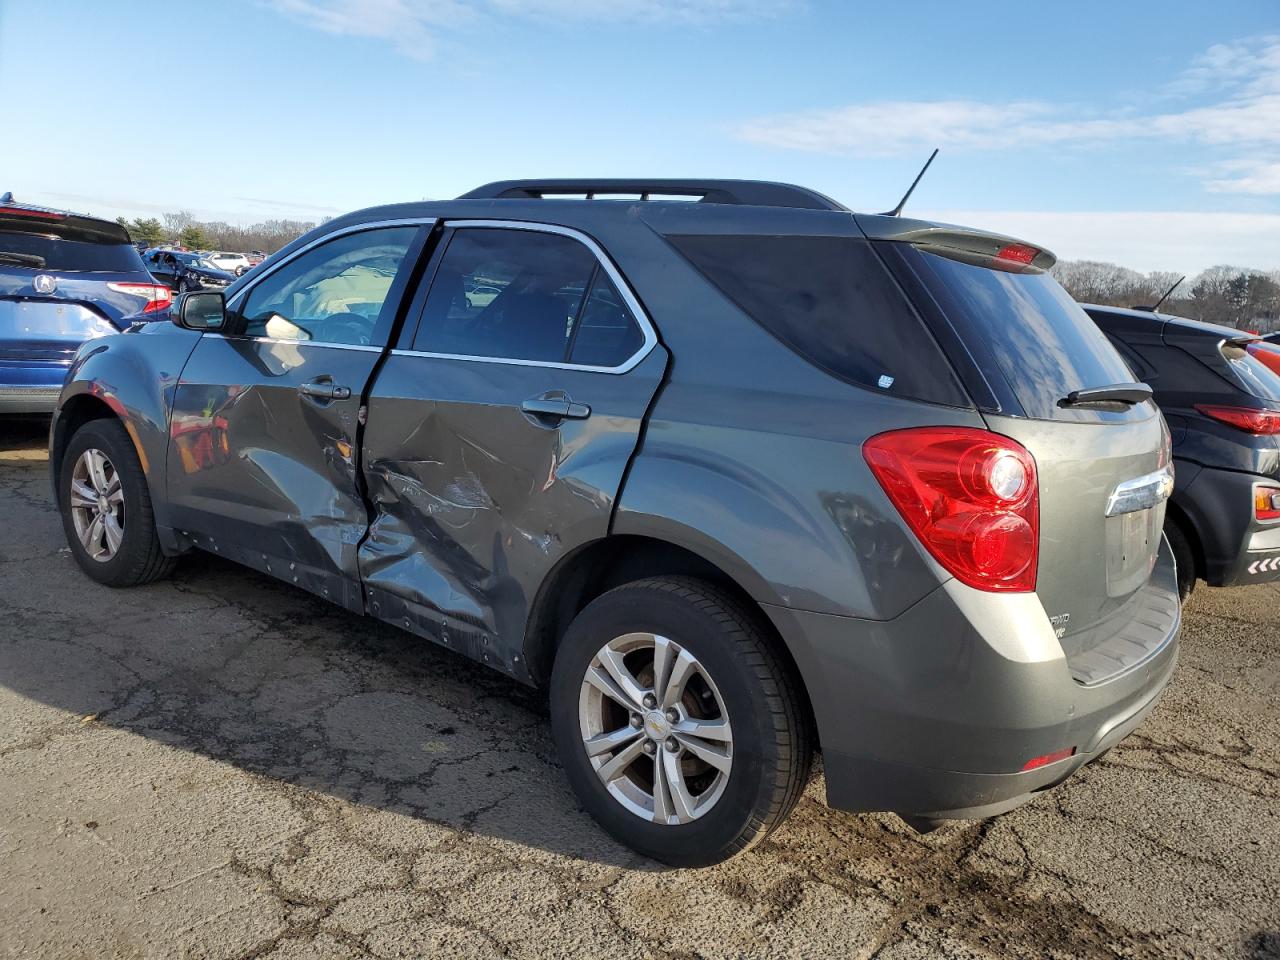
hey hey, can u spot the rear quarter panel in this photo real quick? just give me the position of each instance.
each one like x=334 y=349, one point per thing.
x=752 y=457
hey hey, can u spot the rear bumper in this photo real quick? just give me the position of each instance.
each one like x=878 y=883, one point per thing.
x=936 y=713
x=1237 y=548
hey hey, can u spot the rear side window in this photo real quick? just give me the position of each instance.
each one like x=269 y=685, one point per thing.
x=832 y=301
x=525 y=295
x=67 y=256
x=1026 y=327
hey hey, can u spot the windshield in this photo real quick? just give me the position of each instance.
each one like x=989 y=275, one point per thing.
x=1025 y=330
x=66 y=256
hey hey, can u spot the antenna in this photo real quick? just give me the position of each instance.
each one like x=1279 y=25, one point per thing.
x=1166 y=294
x=897 y=211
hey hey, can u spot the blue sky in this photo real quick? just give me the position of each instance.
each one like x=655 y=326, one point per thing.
x=1140 y=132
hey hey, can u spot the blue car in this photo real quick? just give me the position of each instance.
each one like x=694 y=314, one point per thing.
x=64 y=279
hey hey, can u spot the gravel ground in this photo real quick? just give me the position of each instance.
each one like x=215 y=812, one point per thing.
x=222 y=766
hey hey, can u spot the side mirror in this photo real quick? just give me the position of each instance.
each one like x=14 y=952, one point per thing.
x=201 y=310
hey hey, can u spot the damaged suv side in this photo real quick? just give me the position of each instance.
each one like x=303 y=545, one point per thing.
x=731 y=478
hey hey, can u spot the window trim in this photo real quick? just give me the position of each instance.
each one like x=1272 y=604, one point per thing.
x=243 y=292
x=624 y=289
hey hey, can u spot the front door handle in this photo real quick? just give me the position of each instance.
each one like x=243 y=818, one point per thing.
x=558 y=408
x=320 y=389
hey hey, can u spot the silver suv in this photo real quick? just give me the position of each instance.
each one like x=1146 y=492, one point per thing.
x=733 y=479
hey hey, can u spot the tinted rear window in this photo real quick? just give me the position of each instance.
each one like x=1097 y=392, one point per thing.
x=1258 y=368
x=832 y=301
x=64 y=256
x=1029 y=329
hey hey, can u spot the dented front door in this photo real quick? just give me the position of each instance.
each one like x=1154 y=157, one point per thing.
x=263 y=460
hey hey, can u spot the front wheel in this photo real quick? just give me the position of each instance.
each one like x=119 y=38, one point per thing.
x=106 y=508
x=681 y=728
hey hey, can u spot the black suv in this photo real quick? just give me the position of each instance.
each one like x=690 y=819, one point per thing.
x=1219 y=389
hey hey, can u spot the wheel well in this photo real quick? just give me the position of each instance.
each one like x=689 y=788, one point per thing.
x=604 y=564
x=1183 y=522
x=75 y=413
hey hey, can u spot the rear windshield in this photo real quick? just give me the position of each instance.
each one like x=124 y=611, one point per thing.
x=1039 y=340
x=66 y=256
x=832 y=301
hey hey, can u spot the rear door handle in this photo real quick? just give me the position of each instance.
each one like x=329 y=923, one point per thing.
x=324 y=390
x=559 y=408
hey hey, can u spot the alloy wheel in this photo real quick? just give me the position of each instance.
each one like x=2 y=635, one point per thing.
x=97 y=505
x=655 y=728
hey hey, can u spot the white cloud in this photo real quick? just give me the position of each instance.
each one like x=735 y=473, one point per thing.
x=1245 y=78
x=1186 y=242
x=1254 y=62
x=1247 y=176
x=416 y=26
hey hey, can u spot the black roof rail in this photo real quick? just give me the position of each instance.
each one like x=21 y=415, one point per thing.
x=759 y=193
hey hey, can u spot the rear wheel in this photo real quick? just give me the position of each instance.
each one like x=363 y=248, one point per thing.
x=1183 y=557
x=680 y=728
x=106 y=508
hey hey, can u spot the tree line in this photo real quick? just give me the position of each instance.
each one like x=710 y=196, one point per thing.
x=183 y=228
x=1232 y=296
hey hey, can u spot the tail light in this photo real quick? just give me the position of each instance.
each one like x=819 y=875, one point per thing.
x=1249 y=420
x=1017 y=253
x=970 y=496
x=158 y=295
x=1266 y=503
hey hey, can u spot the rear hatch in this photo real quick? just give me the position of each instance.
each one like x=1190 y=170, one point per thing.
x=65 y=279
x=1027 y=352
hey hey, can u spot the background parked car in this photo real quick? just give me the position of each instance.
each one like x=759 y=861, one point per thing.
x=236 y=263
x=1219 y=389
x=255 y=257
x=64 y=279
x=182 y=272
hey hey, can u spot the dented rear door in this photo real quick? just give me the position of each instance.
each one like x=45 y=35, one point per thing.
x=483 y=472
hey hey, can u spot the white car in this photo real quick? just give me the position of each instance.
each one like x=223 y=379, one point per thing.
x=236 y=263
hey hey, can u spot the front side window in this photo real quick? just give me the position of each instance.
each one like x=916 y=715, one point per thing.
x=525 y=295
x=333 y=293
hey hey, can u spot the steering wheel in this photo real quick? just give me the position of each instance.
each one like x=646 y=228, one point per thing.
x=356 y=325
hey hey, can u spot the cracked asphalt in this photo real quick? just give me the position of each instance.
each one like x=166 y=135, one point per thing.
x=221 y=766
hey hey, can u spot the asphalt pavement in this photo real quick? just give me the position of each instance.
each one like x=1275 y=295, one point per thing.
x=222 y=766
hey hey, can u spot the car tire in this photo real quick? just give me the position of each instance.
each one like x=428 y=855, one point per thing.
x=1183 y=557
x=727 y=678
x=240 y=271
x=134 y=556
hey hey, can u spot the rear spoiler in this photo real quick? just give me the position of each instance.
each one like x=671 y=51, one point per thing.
x=63 y=226
x=960 y=243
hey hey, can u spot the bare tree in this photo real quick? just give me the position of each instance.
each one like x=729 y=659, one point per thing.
x=177 y=221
